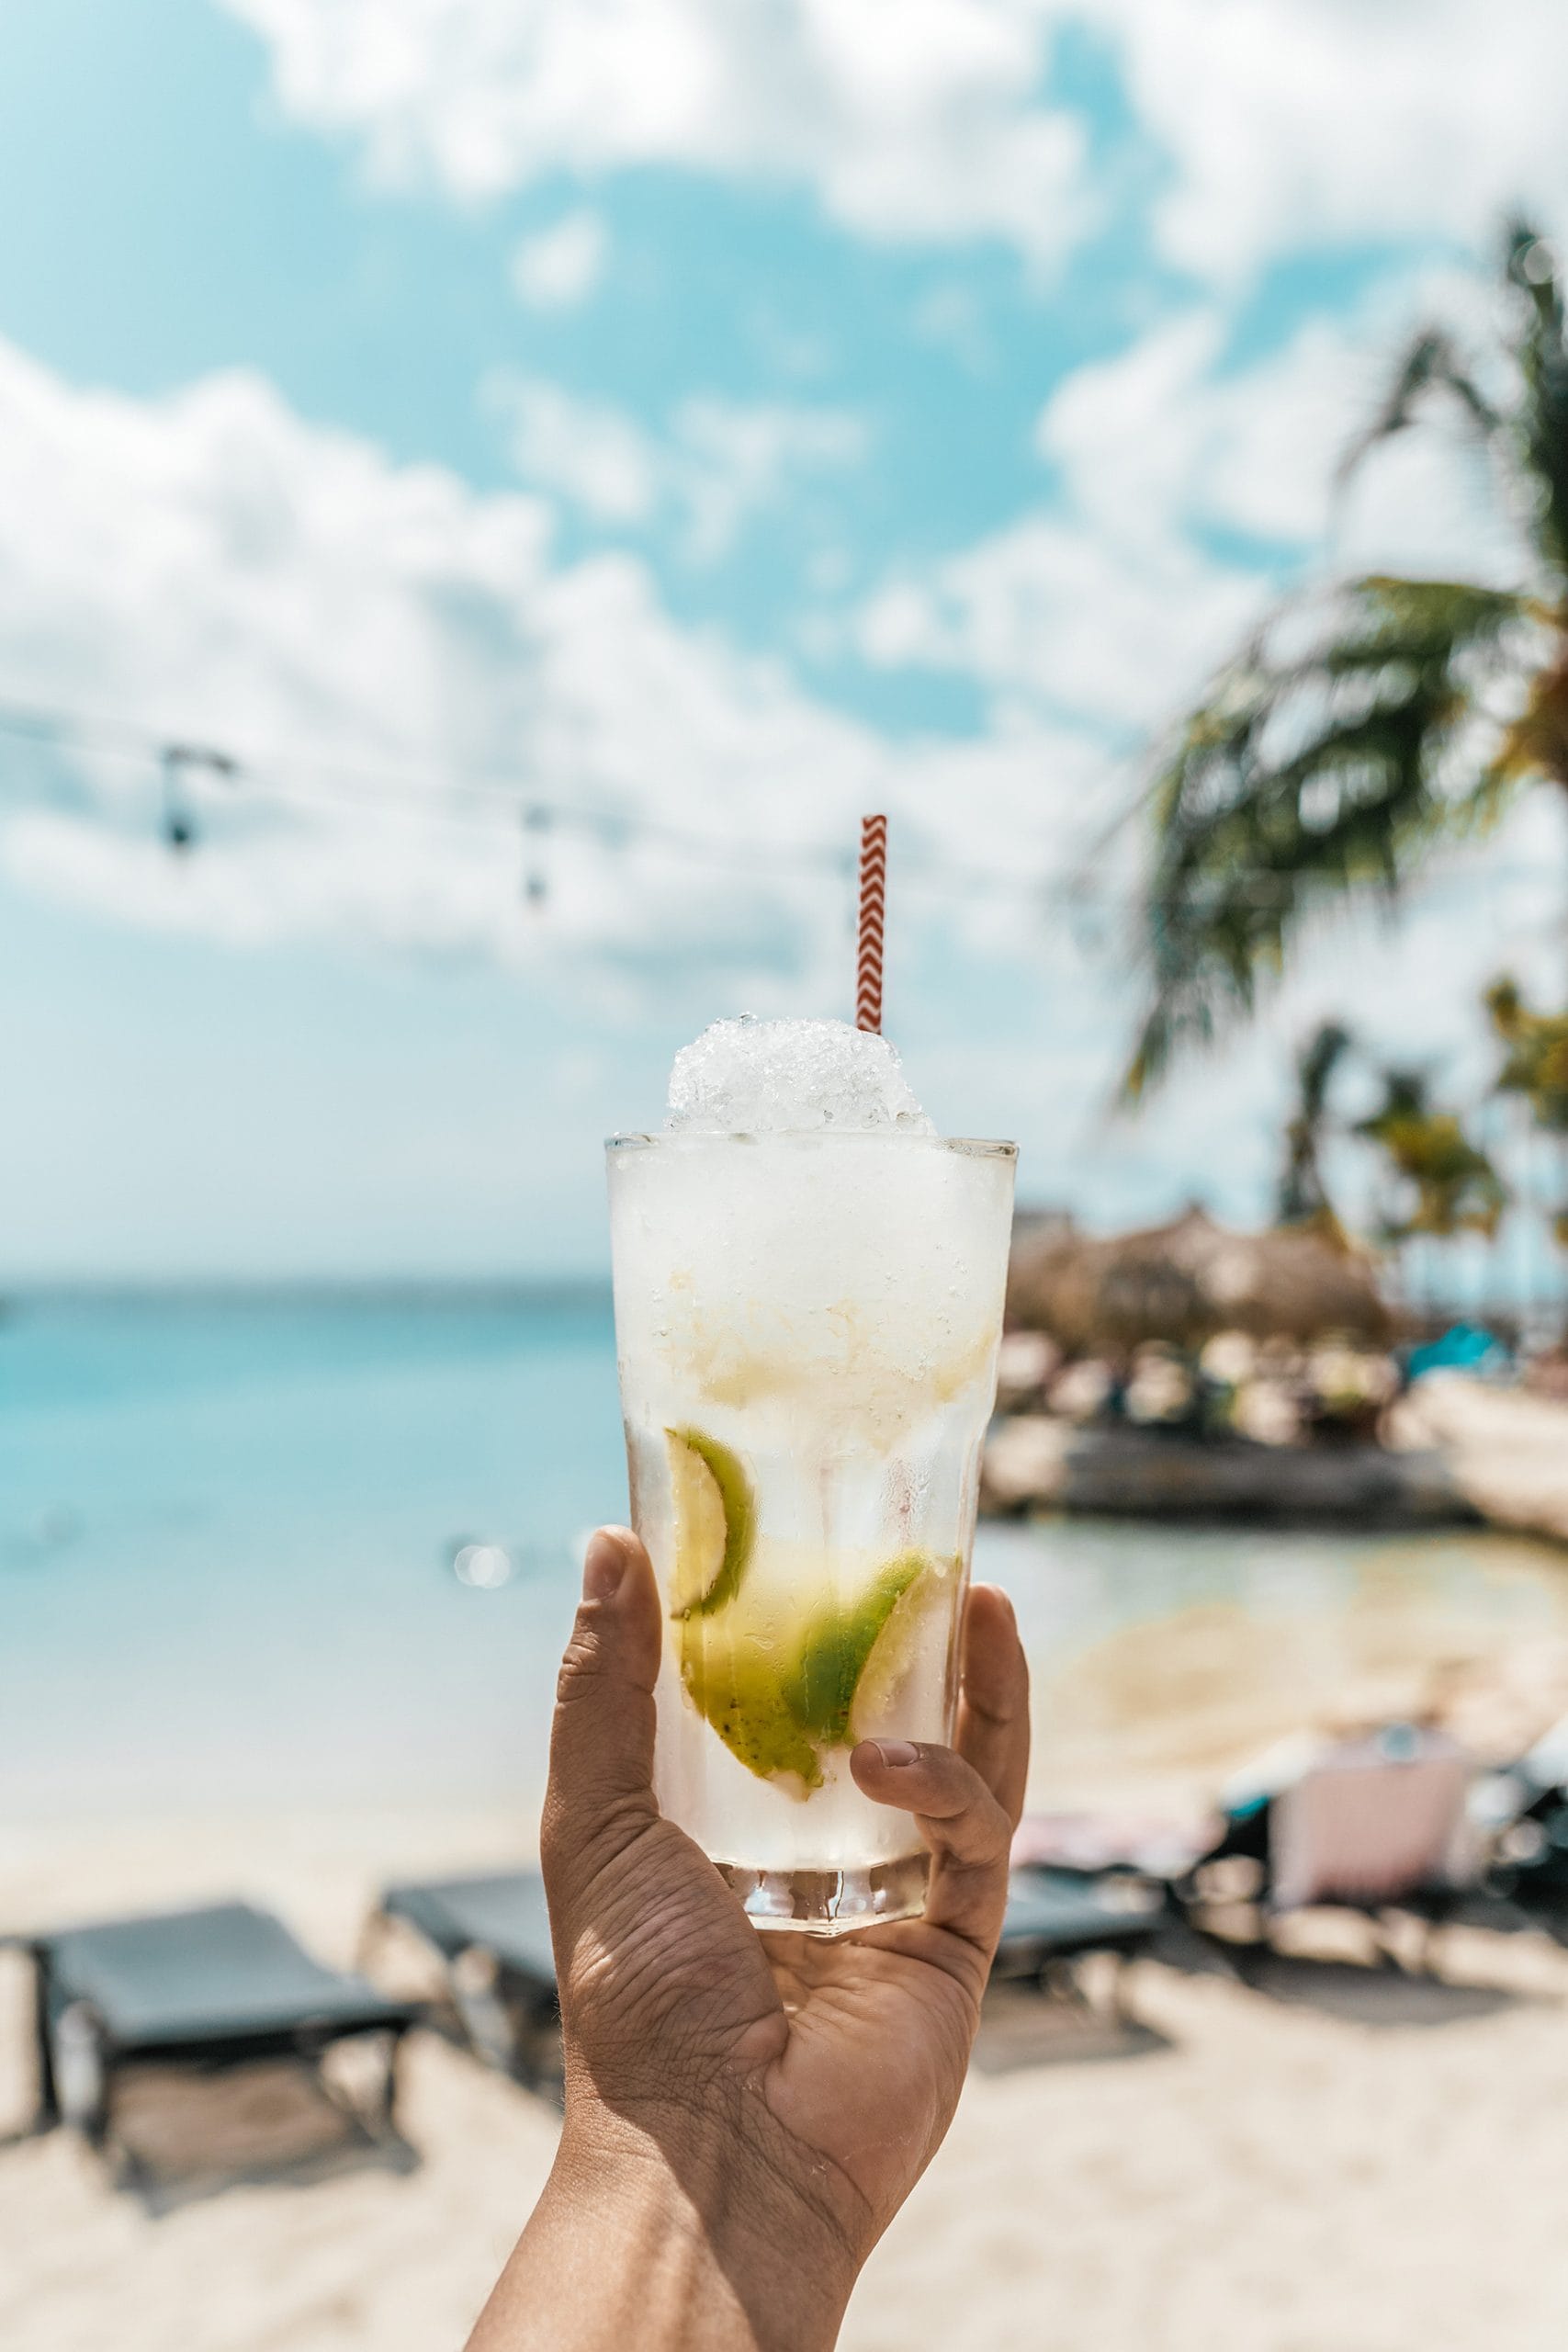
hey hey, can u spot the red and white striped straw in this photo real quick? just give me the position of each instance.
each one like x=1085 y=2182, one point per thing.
x=873 y=911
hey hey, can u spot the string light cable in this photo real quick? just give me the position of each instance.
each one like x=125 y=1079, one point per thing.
x=1094 y=901
x=493 y=799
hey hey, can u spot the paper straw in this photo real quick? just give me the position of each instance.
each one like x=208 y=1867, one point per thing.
x=872 y=909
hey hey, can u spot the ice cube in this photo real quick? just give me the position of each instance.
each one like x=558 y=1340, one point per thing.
x=752 y=1078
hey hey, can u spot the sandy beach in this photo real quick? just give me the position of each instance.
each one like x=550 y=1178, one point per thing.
x=1314 y=2156
x=1326 y=2158
x=1306 y=2157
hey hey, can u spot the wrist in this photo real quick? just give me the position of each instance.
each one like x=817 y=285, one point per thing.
x=729 y=2239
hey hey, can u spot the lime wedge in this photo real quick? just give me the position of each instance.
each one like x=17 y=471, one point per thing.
x=819 y=1687
x=732 y=1679
x=899 y=1659
x=715 y=1522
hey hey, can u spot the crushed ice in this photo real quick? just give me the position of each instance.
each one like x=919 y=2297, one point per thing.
x=750 y=1077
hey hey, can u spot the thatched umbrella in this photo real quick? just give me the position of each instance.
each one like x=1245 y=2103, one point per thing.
x=1184 y=1282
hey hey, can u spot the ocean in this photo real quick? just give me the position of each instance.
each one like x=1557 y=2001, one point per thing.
x=228 y=1525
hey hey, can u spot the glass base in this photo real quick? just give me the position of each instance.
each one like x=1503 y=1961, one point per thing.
x=832 y=1902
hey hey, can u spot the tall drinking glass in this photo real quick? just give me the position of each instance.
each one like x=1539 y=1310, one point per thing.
x=807 y=1326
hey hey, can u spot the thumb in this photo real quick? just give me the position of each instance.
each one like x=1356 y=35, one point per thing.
x=601 y=1787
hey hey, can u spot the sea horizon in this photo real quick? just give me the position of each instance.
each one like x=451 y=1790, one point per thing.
x=589 y=1287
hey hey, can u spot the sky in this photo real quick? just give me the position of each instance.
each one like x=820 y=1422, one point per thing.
x=695 y=423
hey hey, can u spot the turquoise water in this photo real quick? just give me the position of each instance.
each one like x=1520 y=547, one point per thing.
x=227 y=1529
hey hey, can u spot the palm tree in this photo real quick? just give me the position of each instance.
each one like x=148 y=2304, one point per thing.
x=1535 y=1065
x=1449 y=1184
x=1302 y=1197
x=1342 y=745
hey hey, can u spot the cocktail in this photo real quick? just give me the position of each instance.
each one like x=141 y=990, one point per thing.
x=808 y=1298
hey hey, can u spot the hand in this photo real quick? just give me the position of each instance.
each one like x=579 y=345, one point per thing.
x=745 y=2112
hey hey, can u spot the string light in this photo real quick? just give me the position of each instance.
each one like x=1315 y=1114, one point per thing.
x=536 y=881
x=1083 y=892
x=178 y=760
x=308 y=780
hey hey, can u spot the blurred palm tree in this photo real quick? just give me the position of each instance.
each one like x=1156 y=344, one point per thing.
x=1448 y=1185
x=1336 y=752
x=1535 y=1065
x=1302 y=1197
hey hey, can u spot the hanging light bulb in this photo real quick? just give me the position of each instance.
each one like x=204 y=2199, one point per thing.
x=536 y=880
x=178 y=826
x=179 y=760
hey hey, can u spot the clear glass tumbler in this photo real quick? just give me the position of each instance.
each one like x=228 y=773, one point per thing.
x=806 y=1326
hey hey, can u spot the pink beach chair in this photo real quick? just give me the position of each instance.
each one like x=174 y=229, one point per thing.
x=1372 y=1823
x=1377 y=1826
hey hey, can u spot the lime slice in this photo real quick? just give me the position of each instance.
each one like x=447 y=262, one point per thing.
x=820 y=1686
x=732 y=1679
x=715 y=1522
x=900 y=1661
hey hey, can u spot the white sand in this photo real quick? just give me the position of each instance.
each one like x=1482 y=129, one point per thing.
x=1271 y=2177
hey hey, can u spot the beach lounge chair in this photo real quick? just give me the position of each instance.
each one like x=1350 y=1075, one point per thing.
x=492 y=1937
x=1056 y=1917
x=1374 y=1825
x=1530 y=1864
x=207 y=1989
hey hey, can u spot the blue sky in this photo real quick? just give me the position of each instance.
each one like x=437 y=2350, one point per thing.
x=700 y=418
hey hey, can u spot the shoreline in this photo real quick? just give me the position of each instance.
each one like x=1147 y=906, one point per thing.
x=1164 y=1656
x=1454 y=1451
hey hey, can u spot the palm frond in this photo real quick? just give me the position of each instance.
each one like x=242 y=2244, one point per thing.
x=1505 y=1006
x=1537 y=741
x=1540 y=351
x=1432 y=365
x=1450 y=1182
x=1319 y=774
x=1316 y=1064
x=1302 y=1197
x=1535 y=1064
x=1536 y=1061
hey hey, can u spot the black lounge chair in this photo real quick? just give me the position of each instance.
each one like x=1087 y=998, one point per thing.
x=494 y=1939
x=203 y=1990
x=1529 y=1869
x=1056 y=1917
x=492 y=1936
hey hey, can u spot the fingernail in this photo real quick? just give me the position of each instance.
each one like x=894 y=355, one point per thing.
x=897 y=1751
x=604 y=1565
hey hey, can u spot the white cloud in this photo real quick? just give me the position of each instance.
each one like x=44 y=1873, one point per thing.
x=1165 y=437
x=563 y=265
x=1101 y=605
x=1109 y=603
x=931 y=128
x=1051 y=610
x=1157 y=435
x=715 y=465
x=211 y=566
x=1343 y=122
x=736 y=456
x=586 y=451
x=1303 y=123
